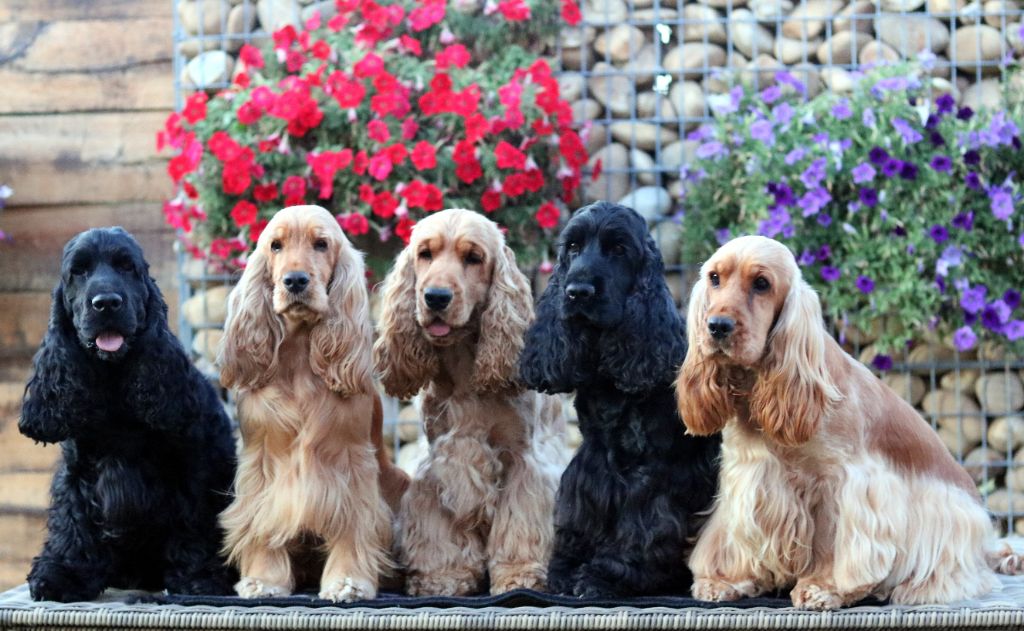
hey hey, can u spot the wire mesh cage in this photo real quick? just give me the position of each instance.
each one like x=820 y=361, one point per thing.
x=639 y=75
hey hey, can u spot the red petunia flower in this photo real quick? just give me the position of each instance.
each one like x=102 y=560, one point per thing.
x=360 y=162
x=378 y=130
x=424 y=156
x=256 y=228
x=249 y=113
x=380 y=165
x=514 y=10
x=466 y=102
x=384 y=205
x=224 y=248
x=419 y=194
x=453 y=55
x=251 y=56
x=476 y=127
x=429 y=13
x=409 y=128
x=293 y=61
x=244 y=213
x=354 y=224
x=294 y=187
x=398 y=153
x=285 y=37
x=190 y=191
x=403 y=229
x=369 y=66
x=366 y=193
x=571 y=12
x=469 y=172
x=547 y=215
x=411 y=45
x=195 y=108
x=572 y=149
x=242 y=80
x=321 y=50
x=265 y=192
x=490 y=201
x=346 y=91
x=598 y=167
x=509 y=157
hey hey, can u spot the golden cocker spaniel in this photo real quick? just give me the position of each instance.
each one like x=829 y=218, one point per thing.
x=455 y=310
x=313 y=479
x=830 y=484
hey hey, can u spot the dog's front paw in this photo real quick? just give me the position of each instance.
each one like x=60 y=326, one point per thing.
x=250 y=587
x=348 y=590
x=714 y=590
x=51 y=581
x=441 y=584
x=506 y=577
x=816 y=597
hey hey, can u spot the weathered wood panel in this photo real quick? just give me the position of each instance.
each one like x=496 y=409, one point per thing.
x=20 y=453
x=21 y=538
x=77 y=66
x=83 y=158
x=11 y=10
x=31 y=260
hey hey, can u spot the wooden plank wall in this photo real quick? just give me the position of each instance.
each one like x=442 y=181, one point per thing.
x=86 y=86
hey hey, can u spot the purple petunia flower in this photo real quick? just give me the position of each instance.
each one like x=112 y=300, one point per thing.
x=932 y=122
x=786 y=78
x=830 y=274
x=814 y=200
x=703 y=132
x=1020 y=240
x=814 y=173
x=784 y=195
x=951 y=257
x=882 y=362
x=806 y=258
x=964 y=221
x=899 y=231
x=936 y=139
x=782 y=113
x=824 y=253
x=972 y=299
x=908 y=171
x=970 y=318
x=1001 y=202
x=794 y=156
x=1012 y=298
x=945 y=103
x=824 y=219
x=762 y=130
x=722 y=236
x=909 y=134
x=941 y=164
x=771 y=94
x=1014 y=330
x=995 y=315
x=938 y=233
x=973 y=181
x=972 y=158
x=863 y=172
x=711 y=150
x=778 y=221
x=878 y=156
x=868 y=197
x=964 y=339
x=865 y=284
x=867 y=118
x=964 y=113
x=841 y=110
x=892 y=167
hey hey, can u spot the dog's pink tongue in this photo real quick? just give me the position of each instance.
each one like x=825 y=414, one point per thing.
x=109 y=342
x=439 y=329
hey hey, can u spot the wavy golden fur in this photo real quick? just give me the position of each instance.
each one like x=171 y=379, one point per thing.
x=483 y=499
x=830 y=484
x=313 y=478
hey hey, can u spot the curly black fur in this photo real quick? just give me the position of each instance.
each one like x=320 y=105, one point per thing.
x=632 y=495
x=148 y=454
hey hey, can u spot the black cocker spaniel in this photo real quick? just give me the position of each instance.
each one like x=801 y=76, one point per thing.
x=607 y=328
x=148 y=453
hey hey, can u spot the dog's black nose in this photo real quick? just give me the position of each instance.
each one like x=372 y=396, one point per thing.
x=107 y=302
x=580 y=291
x=721 y=326
x=437 y=298
x=296 y=282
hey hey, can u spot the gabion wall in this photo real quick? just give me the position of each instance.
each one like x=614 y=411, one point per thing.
x=639 y=74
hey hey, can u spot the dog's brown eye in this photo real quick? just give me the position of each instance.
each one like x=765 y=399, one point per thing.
x=125 y=266
x=618 y=249
x=713 y=279
x=572 y=247
x=425 y=255
x=275 y=246
x=77 y=270
x=473 y=258
x=320 y=245
x=761 y=284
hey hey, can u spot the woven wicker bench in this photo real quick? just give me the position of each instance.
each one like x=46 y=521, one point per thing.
x=124 y=610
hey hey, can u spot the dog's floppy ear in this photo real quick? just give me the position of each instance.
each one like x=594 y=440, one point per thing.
x=552 y=359
x=503 y=324
x=794 y=390
x=340 y=344
x=57 y=396
x=402 y=356
x=647 y=348
x=704 y=403
x=252 y=331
